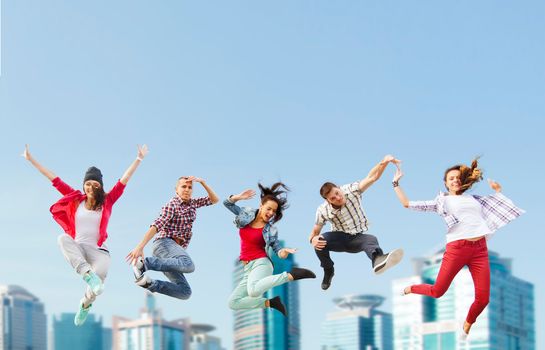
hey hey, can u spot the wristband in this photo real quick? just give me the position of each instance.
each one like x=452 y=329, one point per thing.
x=140 y=159
x=395 y=183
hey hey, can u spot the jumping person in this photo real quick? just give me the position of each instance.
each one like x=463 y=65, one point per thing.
x=84 y=217
x=343 y=208
x=470 y=219
x=174 y=231
x=257 y=234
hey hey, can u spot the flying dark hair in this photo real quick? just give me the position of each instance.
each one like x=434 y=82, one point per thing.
x=468 y=175
x=277 y=193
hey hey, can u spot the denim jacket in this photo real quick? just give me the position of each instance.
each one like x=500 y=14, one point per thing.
x=244 y=216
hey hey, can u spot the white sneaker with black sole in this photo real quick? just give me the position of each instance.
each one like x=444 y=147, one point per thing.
x=144 y=281
x=386 y=261
x=138 y=268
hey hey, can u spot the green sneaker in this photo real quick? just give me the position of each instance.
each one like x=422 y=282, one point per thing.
x=81 y=315
x=94 y=282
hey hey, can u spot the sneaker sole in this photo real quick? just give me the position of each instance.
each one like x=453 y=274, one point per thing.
x=392 y=260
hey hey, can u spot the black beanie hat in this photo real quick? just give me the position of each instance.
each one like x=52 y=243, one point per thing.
x=93 y=173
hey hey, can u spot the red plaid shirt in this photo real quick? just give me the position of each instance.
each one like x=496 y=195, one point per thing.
x=176 y=219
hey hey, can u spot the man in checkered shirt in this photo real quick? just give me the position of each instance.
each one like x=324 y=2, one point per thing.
x=174 y=230
x=342 y=208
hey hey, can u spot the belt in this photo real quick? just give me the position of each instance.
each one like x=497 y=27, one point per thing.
x=177 y=240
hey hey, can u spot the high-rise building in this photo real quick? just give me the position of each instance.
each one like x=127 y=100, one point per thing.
x=267 y=328
x=150 y=331
x=357 y=325
x=23 y=323
x=67 y=336
x=422 y=322
x=202 y=340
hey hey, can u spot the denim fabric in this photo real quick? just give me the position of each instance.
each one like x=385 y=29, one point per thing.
x=173 y=261
x=244 y=216
x=257 y=279
x=338 y=241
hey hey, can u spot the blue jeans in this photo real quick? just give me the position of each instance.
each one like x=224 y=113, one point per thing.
x=173 y=261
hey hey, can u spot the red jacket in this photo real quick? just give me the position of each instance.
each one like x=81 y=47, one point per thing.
x=64 y=210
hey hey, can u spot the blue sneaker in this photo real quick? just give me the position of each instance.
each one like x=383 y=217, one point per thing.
x=94 y=282
x=81 y=315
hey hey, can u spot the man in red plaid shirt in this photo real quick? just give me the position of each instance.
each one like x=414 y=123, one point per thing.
x=173 y=228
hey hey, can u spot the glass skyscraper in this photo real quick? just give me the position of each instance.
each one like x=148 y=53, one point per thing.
x=67 y=336
x=23 y=323
x=267 y=328
x=357 y=325
x=150 y=331
x=422 y=322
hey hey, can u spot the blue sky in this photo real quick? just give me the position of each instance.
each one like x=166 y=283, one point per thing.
x=240 y=92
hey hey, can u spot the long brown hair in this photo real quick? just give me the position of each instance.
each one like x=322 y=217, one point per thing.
x=99 y=195
x=469 y=175
x=277 y=193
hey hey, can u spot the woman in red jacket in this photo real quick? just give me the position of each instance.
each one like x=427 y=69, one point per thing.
x=84 y=217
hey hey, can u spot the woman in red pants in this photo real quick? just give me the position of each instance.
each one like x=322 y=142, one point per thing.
x=471 y=219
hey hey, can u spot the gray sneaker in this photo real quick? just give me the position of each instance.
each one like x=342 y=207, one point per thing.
x=138 y=268
x=385 y=261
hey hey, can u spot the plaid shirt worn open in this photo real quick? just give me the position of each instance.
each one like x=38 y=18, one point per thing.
x=177 y=217
x=497 y=209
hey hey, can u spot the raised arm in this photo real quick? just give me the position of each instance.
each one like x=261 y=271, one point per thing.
x=142 y=151
x=494 y=185
x=211 y=194
x=399 y=192
x=376 y=172
x=47 y=173
x=230 y=202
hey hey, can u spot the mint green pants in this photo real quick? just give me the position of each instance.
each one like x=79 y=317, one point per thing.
x=257 y=279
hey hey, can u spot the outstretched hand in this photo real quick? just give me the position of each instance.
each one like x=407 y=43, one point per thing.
x=494 y=185
x=132 y=257
x=284 y=252
x=26 y=153
x=247 y=194
x=399 y=174
x=142 y=151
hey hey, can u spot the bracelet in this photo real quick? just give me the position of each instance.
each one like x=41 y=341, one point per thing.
x=395 y=183
x=140 y=159
x=311 y=239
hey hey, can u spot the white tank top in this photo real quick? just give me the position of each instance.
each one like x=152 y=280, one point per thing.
x=469 y=212
x=87 y=225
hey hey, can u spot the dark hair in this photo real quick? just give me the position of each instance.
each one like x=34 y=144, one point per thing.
x=326 y=188
x=277 y=193
x=468 y=175
x=99 y=195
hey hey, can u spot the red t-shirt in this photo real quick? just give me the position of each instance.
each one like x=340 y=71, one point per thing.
x=252 y=243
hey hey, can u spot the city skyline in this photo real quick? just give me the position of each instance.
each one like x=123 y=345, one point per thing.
x=239 y=93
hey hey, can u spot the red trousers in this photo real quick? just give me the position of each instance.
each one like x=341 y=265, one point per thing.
x=458 y=254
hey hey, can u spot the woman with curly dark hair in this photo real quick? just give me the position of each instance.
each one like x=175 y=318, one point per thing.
x=471 y=219
x=257 y=234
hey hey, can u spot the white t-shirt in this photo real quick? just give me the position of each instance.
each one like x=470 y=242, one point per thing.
x=471 y=224
x=87 y=225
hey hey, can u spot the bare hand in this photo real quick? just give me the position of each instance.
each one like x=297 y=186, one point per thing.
x=319 y=242
x=193 y=178
x=133 y=256
x=399 y=174
x=494 y=185
x=247 y=194
x=142 y=151
x=26 y=153
x=284 y=252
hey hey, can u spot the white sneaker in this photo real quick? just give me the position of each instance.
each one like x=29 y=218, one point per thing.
x=386 y=261
x=144 y=281
x=138 y=268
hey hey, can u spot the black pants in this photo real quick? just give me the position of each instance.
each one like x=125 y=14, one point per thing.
x=338 y=241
